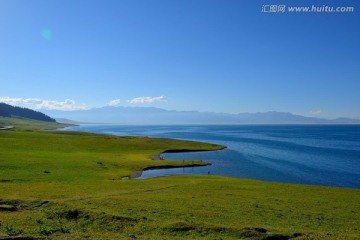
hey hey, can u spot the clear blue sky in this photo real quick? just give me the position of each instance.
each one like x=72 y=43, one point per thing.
x=206 y=55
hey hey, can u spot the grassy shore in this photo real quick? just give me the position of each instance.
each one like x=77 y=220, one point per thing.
x=27 y=125
x=69 y=185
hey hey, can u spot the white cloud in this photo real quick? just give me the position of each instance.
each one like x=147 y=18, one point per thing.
x=19 y=101
x=38 y=104
x=140 y=100
x=314 y=112
x=66 y=105
x=114 y=103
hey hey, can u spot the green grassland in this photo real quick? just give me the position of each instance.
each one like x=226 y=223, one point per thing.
x=70 y=185
x=24 y=124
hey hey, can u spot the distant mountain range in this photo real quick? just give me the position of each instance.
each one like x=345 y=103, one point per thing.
x=7 y=110
x=151 y=115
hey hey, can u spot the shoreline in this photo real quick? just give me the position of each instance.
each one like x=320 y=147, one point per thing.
x=138 y=173
x=157 y=157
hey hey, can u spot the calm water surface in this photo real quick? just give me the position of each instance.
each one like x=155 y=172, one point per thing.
x=322 y=155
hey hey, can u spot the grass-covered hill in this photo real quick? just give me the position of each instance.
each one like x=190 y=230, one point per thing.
x=7 y=110
x=20 y=124
x=70 y=185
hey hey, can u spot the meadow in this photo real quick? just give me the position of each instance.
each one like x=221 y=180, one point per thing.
x=72 y=185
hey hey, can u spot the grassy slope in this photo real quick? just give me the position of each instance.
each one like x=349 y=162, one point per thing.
x=24 y=124
x=82 y=195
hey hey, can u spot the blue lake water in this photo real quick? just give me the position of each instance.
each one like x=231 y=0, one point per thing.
x=316 y=154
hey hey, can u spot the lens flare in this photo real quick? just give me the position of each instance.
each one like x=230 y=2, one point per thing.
x=46 y=34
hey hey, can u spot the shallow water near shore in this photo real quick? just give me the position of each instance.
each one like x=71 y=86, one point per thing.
x=306 y=154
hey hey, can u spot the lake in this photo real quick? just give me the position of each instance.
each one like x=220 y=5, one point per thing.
x=306 y=154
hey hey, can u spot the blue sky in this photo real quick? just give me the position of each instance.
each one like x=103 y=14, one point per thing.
x=206 y=55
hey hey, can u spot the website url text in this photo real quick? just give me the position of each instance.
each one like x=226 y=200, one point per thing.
x=308 y=9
